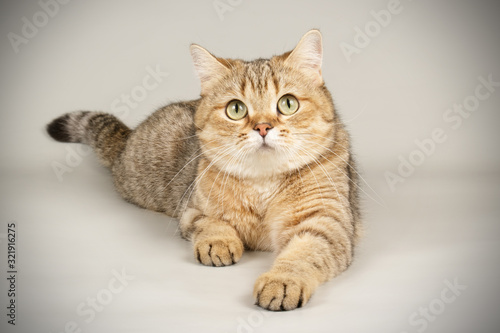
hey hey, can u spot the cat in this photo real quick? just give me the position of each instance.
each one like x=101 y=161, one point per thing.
x=261 y=161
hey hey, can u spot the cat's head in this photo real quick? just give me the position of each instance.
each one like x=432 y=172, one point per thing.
x=266 y=116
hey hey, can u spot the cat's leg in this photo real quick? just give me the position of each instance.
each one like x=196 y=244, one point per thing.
x=316 y=251
x=216 y=243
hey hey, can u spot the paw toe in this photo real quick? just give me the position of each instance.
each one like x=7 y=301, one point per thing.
x=218 y=252
x=280 y=293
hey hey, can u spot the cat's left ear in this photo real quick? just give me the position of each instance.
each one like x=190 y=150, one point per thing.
x=208 y=67
x=308 y=55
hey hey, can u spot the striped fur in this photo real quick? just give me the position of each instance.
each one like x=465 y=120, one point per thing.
x=296 y=195
x=103 y=132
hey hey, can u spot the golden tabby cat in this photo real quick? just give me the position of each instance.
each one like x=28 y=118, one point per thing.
x=260 y=162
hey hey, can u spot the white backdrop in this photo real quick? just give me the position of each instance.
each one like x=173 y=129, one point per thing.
x=417 y=83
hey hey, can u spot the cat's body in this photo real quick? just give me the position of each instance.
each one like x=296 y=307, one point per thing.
x=260 y=162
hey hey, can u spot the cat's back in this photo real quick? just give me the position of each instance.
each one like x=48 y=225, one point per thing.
x=175 y=116
x=159 y=161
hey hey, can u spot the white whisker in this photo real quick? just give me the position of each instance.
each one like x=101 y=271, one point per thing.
x=382 y=203
x=325 y=172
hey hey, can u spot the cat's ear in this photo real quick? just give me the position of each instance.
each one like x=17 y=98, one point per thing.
x=308 y=55
x=208 y=68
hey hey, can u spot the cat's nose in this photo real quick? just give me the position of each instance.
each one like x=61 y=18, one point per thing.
x=263 y=128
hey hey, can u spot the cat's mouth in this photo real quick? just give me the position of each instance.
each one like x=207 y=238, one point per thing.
x=264 y=146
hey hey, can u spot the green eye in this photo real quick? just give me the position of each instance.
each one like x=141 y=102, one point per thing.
x=288 y=105
x=236 y=110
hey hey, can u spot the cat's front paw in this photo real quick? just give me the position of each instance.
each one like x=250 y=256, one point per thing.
x=218 y=251
x=281 y=291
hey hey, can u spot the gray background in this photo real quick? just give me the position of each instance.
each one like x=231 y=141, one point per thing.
x=438 y=226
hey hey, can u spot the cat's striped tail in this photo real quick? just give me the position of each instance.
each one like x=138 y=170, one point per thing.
x=102 y=131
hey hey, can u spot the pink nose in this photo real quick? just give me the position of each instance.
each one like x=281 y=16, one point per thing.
x=263 y=128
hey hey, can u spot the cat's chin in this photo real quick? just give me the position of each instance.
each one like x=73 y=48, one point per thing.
x=264 y=162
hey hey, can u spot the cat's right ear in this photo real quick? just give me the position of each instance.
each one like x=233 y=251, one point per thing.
x=208 y=68
x=308 y=55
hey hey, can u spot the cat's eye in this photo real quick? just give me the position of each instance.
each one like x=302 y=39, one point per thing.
x=288 y=105
x=236 y=110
